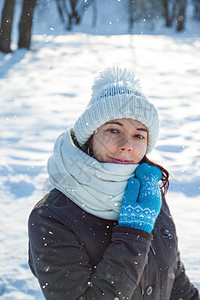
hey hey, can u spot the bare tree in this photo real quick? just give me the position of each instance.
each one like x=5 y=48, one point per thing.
x=25 y=23
x=72 y=11
x=174 y=10
x=196 y=4
x=142 y=10
x=85 y=5
x=131 y=17
x=69 y=11
x=6 y=25
x=170 y=11
x=74 y=14
x=62 y=9
x=181 y=15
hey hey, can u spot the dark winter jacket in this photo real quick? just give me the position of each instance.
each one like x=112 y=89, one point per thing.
x=76 y=255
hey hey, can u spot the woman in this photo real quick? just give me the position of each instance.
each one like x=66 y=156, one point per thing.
x=105 y=230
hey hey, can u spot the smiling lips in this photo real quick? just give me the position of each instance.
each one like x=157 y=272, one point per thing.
x=120 y=161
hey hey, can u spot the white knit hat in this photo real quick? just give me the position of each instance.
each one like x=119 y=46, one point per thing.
x=116 y=95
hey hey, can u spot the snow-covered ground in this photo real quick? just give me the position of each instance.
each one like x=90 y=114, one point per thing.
x=42 y=93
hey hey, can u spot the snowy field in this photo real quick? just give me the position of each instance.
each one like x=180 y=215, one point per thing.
x=44 y=90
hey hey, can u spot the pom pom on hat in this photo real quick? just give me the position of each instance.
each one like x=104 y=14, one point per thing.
x=115 y=77
x=116 y=94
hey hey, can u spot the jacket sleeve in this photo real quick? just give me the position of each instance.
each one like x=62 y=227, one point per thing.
x=61 y=264
x=183 y=288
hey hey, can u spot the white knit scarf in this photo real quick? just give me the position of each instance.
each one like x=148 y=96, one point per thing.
x=97 y=188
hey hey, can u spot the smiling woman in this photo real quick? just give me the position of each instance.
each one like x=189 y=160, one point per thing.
x=122 y=141
x=105 y=230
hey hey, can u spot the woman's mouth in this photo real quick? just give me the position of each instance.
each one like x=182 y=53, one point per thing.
x=120 y=161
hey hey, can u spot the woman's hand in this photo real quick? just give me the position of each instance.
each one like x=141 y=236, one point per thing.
x=142 y=199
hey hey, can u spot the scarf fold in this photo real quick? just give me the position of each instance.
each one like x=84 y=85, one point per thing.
x=97 y=188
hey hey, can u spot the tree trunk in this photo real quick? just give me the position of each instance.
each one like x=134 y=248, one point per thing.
x=169 y=11
x=62 y=9
x=196 y=9
x=131 y=17
x=25 y=23
x=6 y=25
x=94 y=15
x=181 y=15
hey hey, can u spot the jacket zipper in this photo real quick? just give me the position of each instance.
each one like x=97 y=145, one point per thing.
x=152 y=249
x=142 y=284
x=142 y=277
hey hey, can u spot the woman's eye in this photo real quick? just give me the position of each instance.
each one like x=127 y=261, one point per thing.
x=139 y=136
x=112 y=130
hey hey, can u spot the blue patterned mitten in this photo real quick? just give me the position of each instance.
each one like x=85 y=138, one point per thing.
x=149 y=200
x=141 y=211
x=129 y=202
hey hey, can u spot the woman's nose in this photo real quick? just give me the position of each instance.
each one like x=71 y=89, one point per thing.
x=126 y=148
x=126 y=145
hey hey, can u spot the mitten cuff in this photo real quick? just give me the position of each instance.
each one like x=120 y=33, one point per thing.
x=134 y=231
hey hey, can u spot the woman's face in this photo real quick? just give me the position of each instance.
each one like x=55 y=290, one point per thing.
x=120 y=141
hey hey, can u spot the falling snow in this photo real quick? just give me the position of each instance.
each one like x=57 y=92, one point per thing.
x=43 y=91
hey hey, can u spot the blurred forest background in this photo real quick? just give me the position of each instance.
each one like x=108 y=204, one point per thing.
x=72 y=12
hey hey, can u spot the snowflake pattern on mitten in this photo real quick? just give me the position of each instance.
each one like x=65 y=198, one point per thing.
x=137 y=215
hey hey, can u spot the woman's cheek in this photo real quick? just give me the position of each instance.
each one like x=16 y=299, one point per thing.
x=140 y=150
x=143 y=149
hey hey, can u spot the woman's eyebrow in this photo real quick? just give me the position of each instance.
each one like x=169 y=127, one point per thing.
x=114 y=122
x=120 y=124
x=142 y=129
